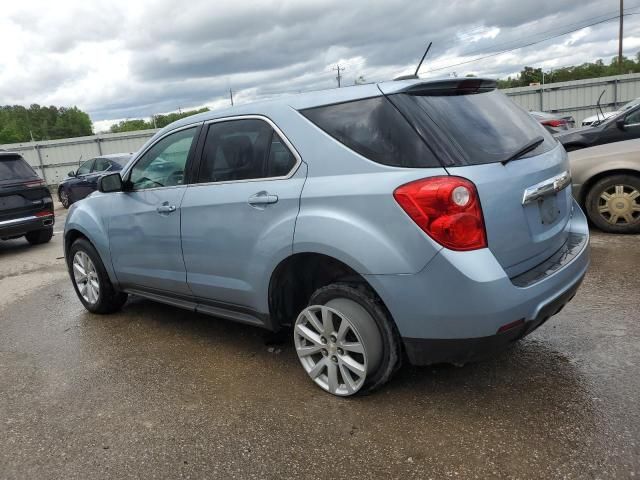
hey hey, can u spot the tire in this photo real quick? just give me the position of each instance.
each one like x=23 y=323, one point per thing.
x=38 y=237
x=613 y=204
x=370 y=330
x=64 y=197
x=107 y=299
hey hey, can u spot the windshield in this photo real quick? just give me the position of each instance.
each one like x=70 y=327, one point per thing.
x=631 y=104
x=485 y=127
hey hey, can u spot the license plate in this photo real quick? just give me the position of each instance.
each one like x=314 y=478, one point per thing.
x=548 y=207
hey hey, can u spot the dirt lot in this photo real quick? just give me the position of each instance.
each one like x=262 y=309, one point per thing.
x=157 y=392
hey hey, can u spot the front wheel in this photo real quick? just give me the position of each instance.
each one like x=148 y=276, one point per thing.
x=91 y=280
x=613 y=204
x=64 y=198
x=346 y=340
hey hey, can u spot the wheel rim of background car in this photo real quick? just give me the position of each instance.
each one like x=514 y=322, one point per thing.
x=64 y=198
x=620 y=205
x=86 y=277
x=331 y=350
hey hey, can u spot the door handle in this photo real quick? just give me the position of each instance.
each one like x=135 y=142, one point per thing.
x=166 y=208
x=262 y=198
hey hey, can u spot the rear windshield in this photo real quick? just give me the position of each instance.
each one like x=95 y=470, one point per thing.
x=375 y=129
x=483 y=127
x=15 y=168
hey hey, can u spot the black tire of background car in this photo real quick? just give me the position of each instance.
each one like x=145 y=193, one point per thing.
x=591 y=203
x=39 y=236
x=110 y=300
x=392 y=345
x=64 y=199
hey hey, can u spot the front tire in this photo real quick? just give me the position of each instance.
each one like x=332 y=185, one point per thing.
x=91 y=281
x=346 y=341
x=64 y=198
x=613 y=204
x=38 y=237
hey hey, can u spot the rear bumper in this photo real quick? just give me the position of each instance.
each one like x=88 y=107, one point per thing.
x=453 y=309
x=20 y=226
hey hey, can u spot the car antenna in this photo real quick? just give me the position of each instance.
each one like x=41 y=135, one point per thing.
x=600 y=108
x=79 y=160
x=414 y=76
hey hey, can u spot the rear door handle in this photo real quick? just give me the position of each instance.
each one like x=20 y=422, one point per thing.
x=262 y=198
x=166 y=208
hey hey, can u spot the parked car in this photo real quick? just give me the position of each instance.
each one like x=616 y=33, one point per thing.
x=26 y=206
x=624 y=126
x=83 y=181
x=376 y=220
x=600 y=117
x=553 y=122
x=606 y=181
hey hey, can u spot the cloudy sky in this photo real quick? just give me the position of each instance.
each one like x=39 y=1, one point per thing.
x=131 y=58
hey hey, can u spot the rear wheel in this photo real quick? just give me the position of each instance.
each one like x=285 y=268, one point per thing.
x=91 y=281
x=39 y=236
x=613 y=204
x=64 y=198
x=346 y=341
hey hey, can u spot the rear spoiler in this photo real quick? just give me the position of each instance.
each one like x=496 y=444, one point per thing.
x=454 y=86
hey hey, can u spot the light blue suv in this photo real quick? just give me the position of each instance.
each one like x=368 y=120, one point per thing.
x=426 y=220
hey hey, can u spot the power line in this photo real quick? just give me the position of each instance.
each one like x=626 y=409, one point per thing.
x=495 y=54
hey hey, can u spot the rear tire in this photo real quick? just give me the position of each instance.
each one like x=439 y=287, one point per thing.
x=369 y=329
x=38 y=237
x=91 y=280
x=613 y=204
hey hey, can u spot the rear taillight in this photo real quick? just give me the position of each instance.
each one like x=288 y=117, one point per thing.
x=447 y=209
x=555 y=123
x=45 y=213
x=34 y=183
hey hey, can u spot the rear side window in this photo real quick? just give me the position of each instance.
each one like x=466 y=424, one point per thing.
x=484 y=127
x=15 y=168
x=375 y=129
x=244 y=150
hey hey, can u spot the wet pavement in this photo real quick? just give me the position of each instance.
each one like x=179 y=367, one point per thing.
x=158 y=392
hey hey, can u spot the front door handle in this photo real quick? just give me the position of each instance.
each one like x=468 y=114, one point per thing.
x=262 y=198
x=166 y=208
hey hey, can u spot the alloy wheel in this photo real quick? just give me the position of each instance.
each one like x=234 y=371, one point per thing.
x=64 y=198
x=620 y=205
x=86 y=277
x=331 y=350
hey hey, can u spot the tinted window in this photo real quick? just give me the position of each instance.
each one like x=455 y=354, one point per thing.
x=13 y=168
x=485 y=127
x=243 y=150
x=632 y=118
x=101 y=165
x=163 y=165
x=85 y=167
x=376 y=130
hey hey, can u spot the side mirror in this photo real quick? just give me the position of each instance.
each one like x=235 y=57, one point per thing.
x=110 y=183
x=620 y=124
x=72 y=173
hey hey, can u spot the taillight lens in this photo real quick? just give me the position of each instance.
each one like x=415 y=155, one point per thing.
x=44 y=213
x=447 y=209
x=554 y=123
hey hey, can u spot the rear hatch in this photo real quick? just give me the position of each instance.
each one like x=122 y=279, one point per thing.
x=475 y=131
x=22 y=192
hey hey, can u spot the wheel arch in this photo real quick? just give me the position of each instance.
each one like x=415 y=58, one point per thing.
x=297 y=277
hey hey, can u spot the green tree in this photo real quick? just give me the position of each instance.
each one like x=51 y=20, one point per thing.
x=21 y=124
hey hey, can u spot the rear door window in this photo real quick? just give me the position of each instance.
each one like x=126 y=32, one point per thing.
x=245 y=149
x=15 y=168
x=483 y=127
x=101 y=165
x=375 y=129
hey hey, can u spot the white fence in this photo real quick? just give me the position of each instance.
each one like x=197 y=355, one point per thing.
x=578 y=97
x=53 y=159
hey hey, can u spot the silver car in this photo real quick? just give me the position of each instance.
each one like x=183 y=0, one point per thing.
x=606 y=181
x=428 y=220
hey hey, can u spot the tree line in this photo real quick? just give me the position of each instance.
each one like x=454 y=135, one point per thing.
x=529 y=75
x=23 y=124
x=156 y=121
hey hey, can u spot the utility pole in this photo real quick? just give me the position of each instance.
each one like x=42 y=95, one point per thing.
x=620 y=36
x=231 y=96
x=339 y=77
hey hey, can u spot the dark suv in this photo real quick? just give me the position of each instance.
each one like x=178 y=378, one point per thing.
x=26 y=206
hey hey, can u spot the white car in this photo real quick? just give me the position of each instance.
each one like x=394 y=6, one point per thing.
x=598 y=118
